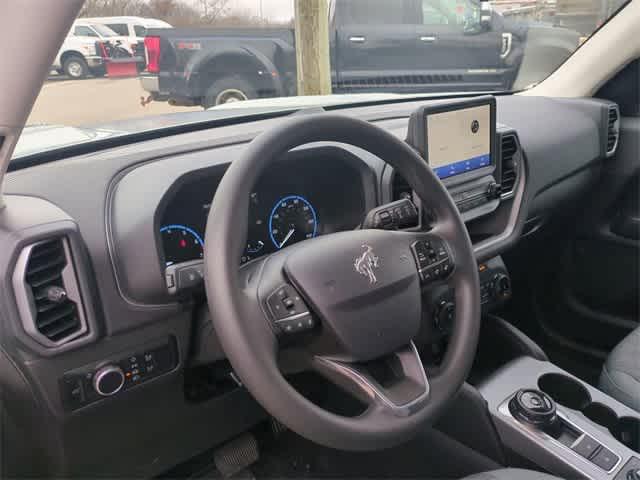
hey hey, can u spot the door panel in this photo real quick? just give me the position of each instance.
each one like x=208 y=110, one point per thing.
x=375 y=40
x=456 y=40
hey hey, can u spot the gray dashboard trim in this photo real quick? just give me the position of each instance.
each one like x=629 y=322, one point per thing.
x=490 y=247
x=559 y=137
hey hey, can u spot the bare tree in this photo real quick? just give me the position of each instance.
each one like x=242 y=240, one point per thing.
x=212 y=10
x=179 y=13
x=110 y=8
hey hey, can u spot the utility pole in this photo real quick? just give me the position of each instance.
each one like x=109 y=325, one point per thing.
x=312 y=47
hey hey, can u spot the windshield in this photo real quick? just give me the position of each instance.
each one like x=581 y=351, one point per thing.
x=241 y=55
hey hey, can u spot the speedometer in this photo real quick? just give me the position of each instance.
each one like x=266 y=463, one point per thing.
x=292 y=220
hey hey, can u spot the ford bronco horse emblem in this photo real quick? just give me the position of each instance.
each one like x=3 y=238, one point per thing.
x=366 y=263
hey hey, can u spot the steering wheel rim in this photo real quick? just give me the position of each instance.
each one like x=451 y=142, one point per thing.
x=252 y=346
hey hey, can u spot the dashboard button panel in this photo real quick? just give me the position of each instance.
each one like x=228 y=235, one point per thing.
x=90 y=384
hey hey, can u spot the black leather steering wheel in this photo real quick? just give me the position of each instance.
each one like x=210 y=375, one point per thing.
x=360 y=291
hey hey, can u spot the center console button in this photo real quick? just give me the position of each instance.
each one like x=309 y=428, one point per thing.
x=606 y=459
x=586 y=447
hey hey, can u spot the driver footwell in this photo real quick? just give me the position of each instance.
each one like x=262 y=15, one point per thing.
x=429 y=456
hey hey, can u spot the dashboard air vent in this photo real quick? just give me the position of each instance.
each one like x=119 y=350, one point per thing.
x=45 y=276
x=400 y=188
x=509 y=164
x=613 y=129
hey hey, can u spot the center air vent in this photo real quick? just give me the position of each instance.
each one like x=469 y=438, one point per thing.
x=613 y=129
x=47 y=292
x=509 y=145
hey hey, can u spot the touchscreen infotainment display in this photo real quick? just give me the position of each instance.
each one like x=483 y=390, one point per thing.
x=459 y=141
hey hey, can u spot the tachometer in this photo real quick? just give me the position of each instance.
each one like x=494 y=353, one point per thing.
x=181 y=244
x=292 y=219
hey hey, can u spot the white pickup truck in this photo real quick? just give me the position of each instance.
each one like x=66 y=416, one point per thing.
x=81 y=53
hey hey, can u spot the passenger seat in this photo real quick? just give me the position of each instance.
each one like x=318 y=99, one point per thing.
x=620 y=376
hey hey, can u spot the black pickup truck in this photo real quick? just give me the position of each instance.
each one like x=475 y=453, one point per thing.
x=401 y=46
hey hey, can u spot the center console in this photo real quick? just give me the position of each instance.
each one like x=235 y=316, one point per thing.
x=562 y=424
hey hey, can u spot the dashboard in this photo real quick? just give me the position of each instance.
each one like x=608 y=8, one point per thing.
x=302 y=197
x=132 y=213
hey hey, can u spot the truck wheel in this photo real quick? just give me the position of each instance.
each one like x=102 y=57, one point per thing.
x=227 y=90
x=75 y=67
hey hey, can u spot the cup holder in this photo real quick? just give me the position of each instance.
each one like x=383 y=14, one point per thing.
x=572 y=394
x=627 y=431
x=602 y=415
x=565 y=391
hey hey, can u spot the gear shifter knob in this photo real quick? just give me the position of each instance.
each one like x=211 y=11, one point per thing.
x=633 y=475
x=533 y=407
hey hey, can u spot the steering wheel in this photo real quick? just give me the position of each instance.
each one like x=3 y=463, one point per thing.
x=356 y=295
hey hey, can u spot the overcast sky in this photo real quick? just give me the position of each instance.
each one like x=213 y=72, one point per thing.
x=272 y=9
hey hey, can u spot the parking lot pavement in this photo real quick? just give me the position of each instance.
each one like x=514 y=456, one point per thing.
x=95 y=100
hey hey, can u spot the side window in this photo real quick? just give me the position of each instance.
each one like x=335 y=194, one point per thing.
x=431 y=15
x=120 y=28
x=377 y=12
x=83 y=31
x=462 y=13
x=140 y=31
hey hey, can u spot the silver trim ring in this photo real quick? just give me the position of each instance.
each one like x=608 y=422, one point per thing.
x=103 y=372
x=230 y=95
x=74 y=69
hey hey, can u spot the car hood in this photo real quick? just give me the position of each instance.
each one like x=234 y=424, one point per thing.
x=40 y=138
x=309 y=101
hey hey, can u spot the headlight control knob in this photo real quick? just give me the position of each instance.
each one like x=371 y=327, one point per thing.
x=108 y=380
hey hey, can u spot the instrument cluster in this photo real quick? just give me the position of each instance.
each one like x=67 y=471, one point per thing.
x=295 y=201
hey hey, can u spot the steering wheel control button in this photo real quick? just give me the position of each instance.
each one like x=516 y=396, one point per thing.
x=184 y=276
x=108 y=380
x=301 y=323
x=444 y=316
x=432 y=259
x=286 y=303
x=392 y=216
x=190 y=277
x=384 y=219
